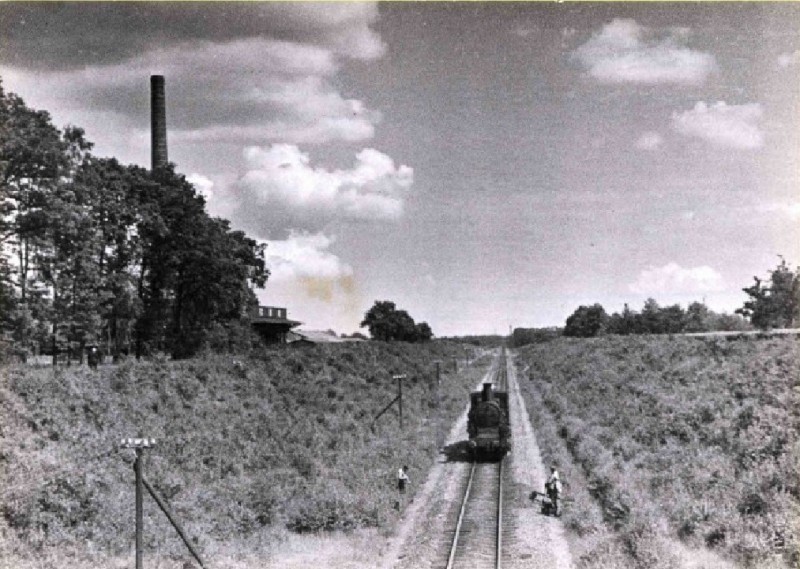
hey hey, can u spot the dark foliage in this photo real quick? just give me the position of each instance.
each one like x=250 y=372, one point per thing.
x=525 y=336
x=386 y=323
x=586 y=321
x=589 y=321
x=776 y=302
x=107 y=253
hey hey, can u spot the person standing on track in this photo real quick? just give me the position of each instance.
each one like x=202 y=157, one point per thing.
x=553 y=489
x=402 y=481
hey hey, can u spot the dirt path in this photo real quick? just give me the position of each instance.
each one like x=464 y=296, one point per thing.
x=533 y=541
x=536 y=541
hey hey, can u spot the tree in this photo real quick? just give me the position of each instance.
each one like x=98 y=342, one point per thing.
x=36 y=162
x=586 y=321
x=698 y=318
x=624 y=323
x=112 y=192
x=194 y=270
x=33 y=158
x=650 y=319
x=102 y=250
x=673 y=319
x=776 y=303
x=386 y=323
x=423 y=332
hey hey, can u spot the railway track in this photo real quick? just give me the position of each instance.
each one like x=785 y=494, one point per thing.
x=501 y=372
x=478 y=537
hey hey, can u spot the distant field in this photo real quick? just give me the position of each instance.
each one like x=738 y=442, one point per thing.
x=677 y=451
x=246 y=448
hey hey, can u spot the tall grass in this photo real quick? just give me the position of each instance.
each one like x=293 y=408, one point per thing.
x=281 y=439
x=666 y=439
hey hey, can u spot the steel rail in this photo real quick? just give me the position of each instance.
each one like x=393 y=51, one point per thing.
x=499 y=550
x=452 y=557
x=500 y=373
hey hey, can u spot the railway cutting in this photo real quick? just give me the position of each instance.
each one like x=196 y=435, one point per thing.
x=473 y=511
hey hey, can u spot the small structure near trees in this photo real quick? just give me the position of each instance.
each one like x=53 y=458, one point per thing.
x=272 y=324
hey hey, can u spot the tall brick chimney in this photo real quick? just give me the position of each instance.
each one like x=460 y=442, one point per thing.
x=158 y=123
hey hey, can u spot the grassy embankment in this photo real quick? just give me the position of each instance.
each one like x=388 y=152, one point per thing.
x=245 y=449
x=677 y=452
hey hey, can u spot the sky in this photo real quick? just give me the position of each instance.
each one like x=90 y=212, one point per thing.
x=482 y=165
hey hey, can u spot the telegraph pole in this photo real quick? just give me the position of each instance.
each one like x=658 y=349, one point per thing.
x=400 y=379
x=139 y=445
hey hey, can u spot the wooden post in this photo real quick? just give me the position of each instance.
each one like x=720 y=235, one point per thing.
x=400 y=379
x=438 y=402
x=139 y=445
x=400 y=399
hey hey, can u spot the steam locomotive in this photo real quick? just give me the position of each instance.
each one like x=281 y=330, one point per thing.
x=487 y=423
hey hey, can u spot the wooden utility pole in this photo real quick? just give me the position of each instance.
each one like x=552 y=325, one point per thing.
x=139 y=445
x=400 y=379
x=398 y=400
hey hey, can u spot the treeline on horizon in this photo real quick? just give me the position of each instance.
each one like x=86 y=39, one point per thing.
x=96 y=252
x=771 y=303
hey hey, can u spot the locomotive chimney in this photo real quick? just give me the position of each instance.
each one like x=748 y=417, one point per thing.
x=486 y=395
x=158 y=123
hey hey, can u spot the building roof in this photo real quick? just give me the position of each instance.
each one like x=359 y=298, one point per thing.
x=271 y=315
x=319 y=337
x=265 y=320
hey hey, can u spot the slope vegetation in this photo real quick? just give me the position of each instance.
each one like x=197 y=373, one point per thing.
x=283 y=439
x=672 y=445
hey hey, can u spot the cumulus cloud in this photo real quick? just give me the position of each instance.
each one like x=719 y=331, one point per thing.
x=246 y=91
x=283 y=190
x=649 y=141
x=625 y=52
x=108 y=33
x=242 y=73
x=202 y=184
x=304 y=255
x=730 y=126
x=674 y=279
x=304 y=259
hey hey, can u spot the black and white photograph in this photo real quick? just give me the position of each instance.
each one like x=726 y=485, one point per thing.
x=399 y=284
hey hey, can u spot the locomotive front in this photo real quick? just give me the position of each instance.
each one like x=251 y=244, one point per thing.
x=487 y=425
